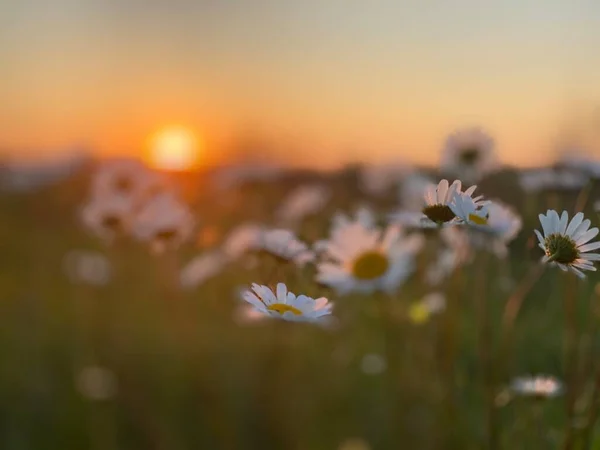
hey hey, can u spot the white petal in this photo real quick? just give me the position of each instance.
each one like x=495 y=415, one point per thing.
x=564 y=219
x=589 y=247
x=575 y=222
x=588 y=236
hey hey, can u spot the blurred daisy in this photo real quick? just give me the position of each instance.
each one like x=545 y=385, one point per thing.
x=285 y=305
x=302 y=202
x=469 y=154
x=412 y=190
x=492 y=226
x=437 y=211
x=241 y=239
x=87 y=267
x=202 y=268
x=360 y=259
x=109 y=216
x=125 y=178
x=284 y=245
x=566 y=244
x=552 y=179
x=538 y=386
x=581 y=162
x=164 y=221
x=377 y=179
x=433 y=303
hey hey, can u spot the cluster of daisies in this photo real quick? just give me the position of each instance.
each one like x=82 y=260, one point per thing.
x=129 y=200
x=361 y=254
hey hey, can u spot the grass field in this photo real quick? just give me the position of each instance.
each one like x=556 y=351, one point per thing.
x=140 y=363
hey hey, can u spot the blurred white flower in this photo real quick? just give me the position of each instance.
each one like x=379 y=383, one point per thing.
x=373 y=364
x=469 y=154
x=377 y=179
x=566 y=244
x=125 y=177
x=25 y=176
x=302 y=202
x=164 y=221
x=285 y=305
x=285 y=245
x=538 y=386
x=108 y=216
x=201 y=268
x=581 y=162
x=361 y=259
x=412 y=191
x=436 y=207
x=87 y=267
x=552 y=179
x=96 y=383
x=241 y=239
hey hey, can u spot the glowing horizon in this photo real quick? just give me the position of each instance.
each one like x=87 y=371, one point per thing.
x=327 y=84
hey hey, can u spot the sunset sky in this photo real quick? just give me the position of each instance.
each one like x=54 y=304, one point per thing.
x=324 y=81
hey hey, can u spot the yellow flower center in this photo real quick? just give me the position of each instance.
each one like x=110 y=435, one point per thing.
x=561 y=248
x=282 y=308
x=478 y=220
x=419 y=313
x=370 y=265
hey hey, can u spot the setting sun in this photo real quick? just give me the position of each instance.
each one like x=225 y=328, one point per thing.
x=174 y=148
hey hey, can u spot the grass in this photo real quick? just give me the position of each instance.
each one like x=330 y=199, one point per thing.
x=190 y=376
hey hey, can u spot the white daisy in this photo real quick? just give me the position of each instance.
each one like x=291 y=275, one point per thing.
x=285 y=305
x=566 y=244
x=125 y=178
x=377 y=179
x=491 y=226
x=302 y=202
x=241 y=239
x=108 y=217
x=437 y=211
x=469 y=154
x=360 y=259
x=552 y=179
x=201 y=268
x=538 y=386
x=87 y=267
x=285 y=245
x=164 y=221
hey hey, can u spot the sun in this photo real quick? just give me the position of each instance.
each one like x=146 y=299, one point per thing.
x=174 y=148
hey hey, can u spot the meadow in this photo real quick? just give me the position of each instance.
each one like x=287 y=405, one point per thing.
x=135 y=359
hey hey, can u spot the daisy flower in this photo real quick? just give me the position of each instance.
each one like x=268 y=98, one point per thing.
x=552 y=179
x=125 y=178
x=108 y=217
x=538 y=386
x=285 y=305
x=360 y=259
x=302 y=202
x=566 y=244
x=437 y=211
x=491 y=226
x=201 y=268
x=469 y=154
x=241 y=239
x=377 y=179
x=284 y=245
x=164 y=221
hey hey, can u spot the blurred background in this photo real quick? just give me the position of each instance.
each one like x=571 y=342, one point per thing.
x=310 y=83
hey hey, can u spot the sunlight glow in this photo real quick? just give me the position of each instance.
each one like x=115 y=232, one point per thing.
x=174 y=148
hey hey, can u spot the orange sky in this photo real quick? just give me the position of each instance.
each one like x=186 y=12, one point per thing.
x=324 y=83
